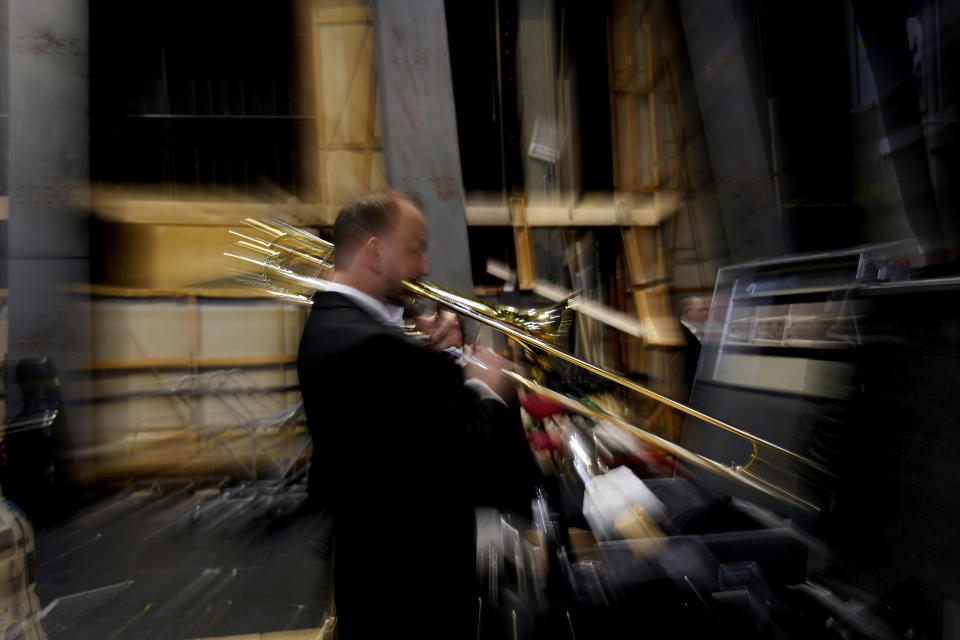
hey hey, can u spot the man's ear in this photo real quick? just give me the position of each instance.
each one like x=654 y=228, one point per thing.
x=373 y=254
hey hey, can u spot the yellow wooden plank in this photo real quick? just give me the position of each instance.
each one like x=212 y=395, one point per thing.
x=318 y=106
x=648 y=47
x=195 y=209
x=238 y=293
x=488 y=215
x=641 y=140
x=632 y=254
x=368 y=146
x=610 y=213
x=632 y=143
x=345 y=174
x=349 y=139
x=342 y=11
x=640 y=250
x=185 y=363
x=346 y=59
x=619 y=33
x=660 y=327
x=526 y=274
x=613 y=102
x=165 y=256
x=665 y=204
x=628 y=41
x=589 y=216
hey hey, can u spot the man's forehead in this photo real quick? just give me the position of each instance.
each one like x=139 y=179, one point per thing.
x=410 y=219
x=408 y=209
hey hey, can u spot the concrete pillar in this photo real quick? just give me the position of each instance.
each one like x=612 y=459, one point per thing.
x=733 y=130
x=421 y=153
x=48 y=163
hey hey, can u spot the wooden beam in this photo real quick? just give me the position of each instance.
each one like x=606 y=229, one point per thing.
x=186 y=364
x=610 y=214
x=591 y=217
x=196 y=208
x=329 y=12
x=526 y=274
x=633 y=89
x=337 y=23
x=230 y=293
x=654 y=151
x=613 y=102
x=632 y=141
x=639 y=248
x=371 y=145
x=131 y=208
x=652 y=188
x=488 y=215
x=648 y=44
x=660 y=328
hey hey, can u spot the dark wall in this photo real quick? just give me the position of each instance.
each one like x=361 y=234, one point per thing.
x=195 y=93
x=486 y=92
x=808 y=79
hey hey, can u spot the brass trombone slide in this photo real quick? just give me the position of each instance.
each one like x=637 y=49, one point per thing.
x=532 y=328
x=738 y=474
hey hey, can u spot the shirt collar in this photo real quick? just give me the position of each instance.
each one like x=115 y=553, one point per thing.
x=696 y=331
x=387 y=314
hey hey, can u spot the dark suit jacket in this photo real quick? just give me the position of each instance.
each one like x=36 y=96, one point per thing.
x=691 y=356
x=402 y=454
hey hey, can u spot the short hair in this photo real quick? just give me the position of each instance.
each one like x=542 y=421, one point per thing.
x=373 y=213
x=684 y=304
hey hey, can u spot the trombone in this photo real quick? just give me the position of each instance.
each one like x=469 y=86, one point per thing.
x=279 y=253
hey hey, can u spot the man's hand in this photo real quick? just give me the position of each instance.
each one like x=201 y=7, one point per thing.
x=442 y=330
x=488 y=370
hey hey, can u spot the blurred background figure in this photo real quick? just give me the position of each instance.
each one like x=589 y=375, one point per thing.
x=36 y=446
x=693 y=312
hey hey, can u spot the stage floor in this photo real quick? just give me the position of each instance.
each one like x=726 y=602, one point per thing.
x=169 y=560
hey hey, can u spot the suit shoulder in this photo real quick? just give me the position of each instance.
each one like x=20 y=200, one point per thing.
x=341 y=330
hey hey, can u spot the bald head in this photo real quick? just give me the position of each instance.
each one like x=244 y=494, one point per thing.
x=694 y=311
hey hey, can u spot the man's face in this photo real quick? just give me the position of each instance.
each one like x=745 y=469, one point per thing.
x=404 y=255
x=697 y=313
x=699 y=310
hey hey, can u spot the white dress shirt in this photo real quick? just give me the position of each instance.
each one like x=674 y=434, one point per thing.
x=696 y=331
x=387 y=314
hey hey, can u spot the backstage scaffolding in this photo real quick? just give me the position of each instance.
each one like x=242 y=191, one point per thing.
x=252 y=413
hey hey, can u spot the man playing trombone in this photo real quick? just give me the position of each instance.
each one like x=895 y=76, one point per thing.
x=406 y=442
